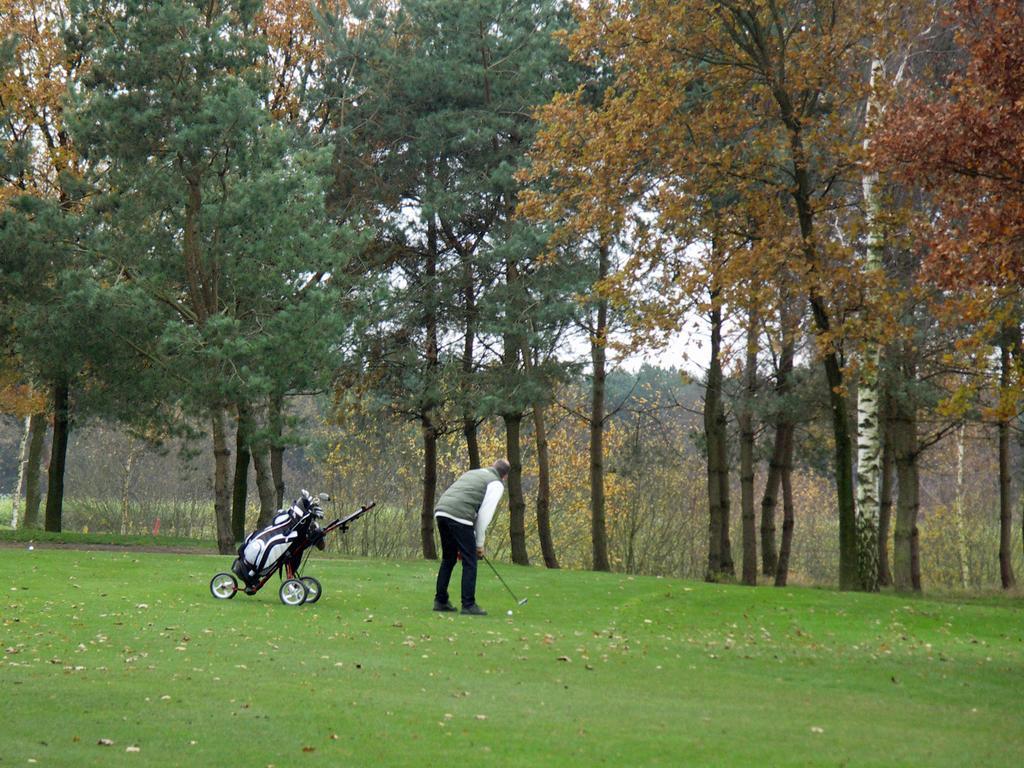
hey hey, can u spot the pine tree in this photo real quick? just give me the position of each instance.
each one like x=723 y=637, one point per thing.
x=428 y=152
x=210 y=212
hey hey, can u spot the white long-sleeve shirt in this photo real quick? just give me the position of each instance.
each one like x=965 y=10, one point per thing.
x=485 y=514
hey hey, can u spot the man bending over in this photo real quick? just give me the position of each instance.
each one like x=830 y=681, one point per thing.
x=462 y=514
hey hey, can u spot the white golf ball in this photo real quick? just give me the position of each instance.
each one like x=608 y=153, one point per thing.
x=510 y=613
x=30 y=547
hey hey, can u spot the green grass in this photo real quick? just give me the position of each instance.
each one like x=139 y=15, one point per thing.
x=24 y=536
x=597 y=669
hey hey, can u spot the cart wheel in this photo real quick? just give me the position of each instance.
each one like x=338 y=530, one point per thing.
x=223 y=586
x=313 y=589
x=292 y=592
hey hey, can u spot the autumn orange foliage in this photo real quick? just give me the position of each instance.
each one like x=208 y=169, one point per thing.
x=296 y=51
x=33 y=94
x=964 y=143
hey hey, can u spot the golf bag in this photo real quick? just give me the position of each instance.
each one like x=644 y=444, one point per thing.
x=267 y=549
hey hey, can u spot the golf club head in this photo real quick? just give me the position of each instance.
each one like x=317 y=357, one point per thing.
x=523 y=601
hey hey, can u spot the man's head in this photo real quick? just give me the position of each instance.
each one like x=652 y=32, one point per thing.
x=502 y=467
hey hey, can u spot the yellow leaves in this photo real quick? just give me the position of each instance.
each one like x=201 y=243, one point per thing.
x=17 y=397
x=296 y=49
x=701 y=135
x=957 y=403
x=1006 y=405
x=33 y=91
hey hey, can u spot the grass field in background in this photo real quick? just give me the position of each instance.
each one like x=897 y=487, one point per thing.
x=597 y=669
x=24 y=536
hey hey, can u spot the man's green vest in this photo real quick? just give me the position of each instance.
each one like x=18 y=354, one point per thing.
x=463 y=498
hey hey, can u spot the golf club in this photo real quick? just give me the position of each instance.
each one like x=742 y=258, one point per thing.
x=518 y=601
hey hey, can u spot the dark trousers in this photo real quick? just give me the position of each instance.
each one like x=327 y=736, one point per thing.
x=456 y=539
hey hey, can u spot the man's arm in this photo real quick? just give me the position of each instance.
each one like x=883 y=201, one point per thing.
x=487 y=507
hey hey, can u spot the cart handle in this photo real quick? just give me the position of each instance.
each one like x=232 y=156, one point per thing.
x=342 y=523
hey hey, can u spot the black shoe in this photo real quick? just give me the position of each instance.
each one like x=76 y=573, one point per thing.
x=439 y=606
x=473 y=610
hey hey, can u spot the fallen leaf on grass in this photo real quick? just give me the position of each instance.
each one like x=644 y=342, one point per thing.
x=481 y=717
x=132 y=749
x=564 y=658
x=105 y=742
x=309 y=749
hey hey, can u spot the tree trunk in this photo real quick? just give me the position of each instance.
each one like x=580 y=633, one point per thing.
x=240 y=491
x=801 y=193
x=728 y=567
x=869 y=438
x=469 y=431
x=134 y=450
x=769 y=501
x=1017 y=349
x=37 y=428
x=221 y=482
x=848 y=561
x=259 y=449
x=885 y=515
x=599 y=531
x=958 y=510
x=717 y=506
x=264 y=483
x=783 y=437
x=905 y=453
x=745 y=420
x=540 y=434
x=788 y=516
x=277 y=447
x=1020 y=453
x=633 y=521
x=429 y=488
x=516 y=501
x=1005 y=508
x=429 y=429
x=868 y=474
x=547 y=546
x=19 y=486
x=915 y=558
x=469 y=425
x=58 y=456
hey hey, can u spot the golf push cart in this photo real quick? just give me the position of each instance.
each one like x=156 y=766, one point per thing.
x=282 y=546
